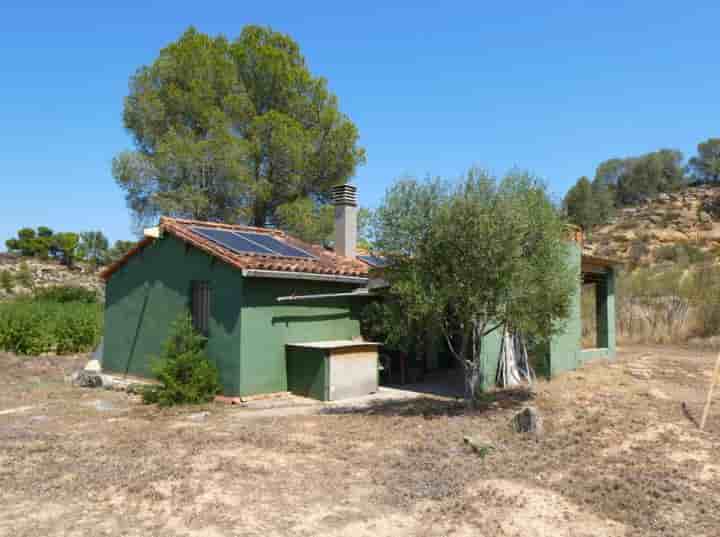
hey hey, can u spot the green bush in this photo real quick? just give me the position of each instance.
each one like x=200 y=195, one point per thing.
x=7 y=282
x=66 y=293
x=31 y=326
x=185 y=373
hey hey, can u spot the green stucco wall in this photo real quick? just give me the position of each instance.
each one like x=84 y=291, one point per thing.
x=564 y=352
x=152 y=290
x=268 y=325
x=564 y=347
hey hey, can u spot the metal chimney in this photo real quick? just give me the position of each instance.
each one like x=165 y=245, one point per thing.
x=344 y=197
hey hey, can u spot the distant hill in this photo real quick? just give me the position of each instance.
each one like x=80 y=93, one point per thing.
x=45 y=274
x=674 y=227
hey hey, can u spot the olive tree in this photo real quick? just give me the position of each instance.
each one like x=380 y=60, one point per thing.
x=472 y=257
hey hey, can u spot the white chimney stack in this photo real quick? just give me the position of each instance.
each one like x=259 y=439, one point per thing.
x=344 y=197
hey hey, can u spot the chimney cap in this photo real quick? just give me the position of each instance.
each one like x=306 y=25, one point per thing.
x=344 y=195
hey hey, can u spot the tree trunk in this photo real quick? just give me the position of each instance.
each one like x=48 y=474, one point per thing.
x=259 y=218
x=474 y=373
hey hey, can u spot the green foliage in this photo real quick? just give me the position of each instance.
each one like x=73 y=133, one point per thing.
x=315 y=222
x=588 y=204
x=650 y=174
x=31 y=243
x=475 y=256
x=306 y=220
x=623 y=181
x=705 y=167
x=186 y=374
x=119 y=249
x=67 y=243
x=232 y=130
x=64 y=294
x=579 y=204
x=31 y=326
x=7 y=282
x=93 y=247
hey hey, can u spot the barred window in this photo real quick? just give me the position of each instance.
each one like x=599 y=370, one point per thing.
x=200 y=306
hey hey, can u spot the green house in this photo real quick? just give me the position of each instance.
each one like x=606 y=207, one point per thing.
x=255 y=293
x=231 y=279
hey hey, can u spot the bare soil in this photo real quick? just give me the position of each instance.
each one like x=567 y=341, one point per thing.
x=620 y=455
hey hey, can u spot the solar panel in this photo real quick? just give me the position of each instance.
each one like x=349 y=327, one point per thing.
x=274 y=245
x=232 y=241
x=373 y=261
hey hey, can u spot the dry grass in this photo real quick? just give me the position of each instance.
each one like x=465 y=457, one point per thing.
x=619 y=457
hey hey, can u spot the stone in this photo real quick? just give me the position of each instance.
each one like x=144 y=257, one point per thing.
x=86 y=379
x=528 y=420
x=479 y=445
x=663 y=198
x=199 y=416
x=102 y=405
x=704 y=217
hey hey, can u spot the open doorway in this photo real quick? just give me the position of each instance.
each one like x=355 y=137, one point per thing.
x=588 y=308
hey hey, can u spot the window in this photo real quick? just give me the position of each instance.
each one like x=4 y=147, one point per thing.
x=200 y=306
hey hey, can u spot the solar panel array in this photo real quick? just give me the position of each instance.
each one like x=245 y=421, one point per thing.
x=254 y=243
x=373 y=260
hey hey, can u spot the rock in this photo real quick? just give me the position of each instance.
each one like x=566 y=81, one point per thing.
x=663 y=198
x=668 y=235
x=199 y=416
x=87 y=379
x=102 y=405
x=528 y=420
x=478 y=445
x=108 y=382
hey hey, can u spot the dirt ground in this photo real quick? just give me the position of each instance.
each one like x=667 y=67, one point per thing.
x=620 y=456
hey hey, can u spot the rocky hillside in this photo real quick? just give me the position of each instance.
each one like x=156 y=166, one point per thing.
x=23 y=274
x=684 y=225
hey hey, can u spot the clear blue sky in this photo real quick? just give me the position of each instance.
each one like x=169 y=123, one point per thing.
x=553 y=87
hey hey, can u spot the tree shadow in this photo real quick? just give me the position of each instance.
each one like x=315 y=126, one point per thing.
x=429 y=407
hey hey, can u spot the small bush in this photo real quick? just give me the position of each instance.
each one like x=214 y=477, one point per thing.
x=7 y=282
x=186 y=374
x=31 y=327
x=63 y=294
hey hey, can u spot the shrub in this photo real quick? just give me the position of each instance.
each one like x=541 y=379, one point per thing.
x=7 y=282
x=185 y=373
x=31 y=327
x=66 y=293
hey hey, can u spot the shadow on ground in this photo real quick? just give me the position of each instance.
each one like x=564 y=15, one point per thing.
x=430 y=407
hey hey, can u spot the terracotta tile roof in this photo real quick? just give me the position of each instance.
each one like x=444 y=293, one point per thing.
x=324 y=261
